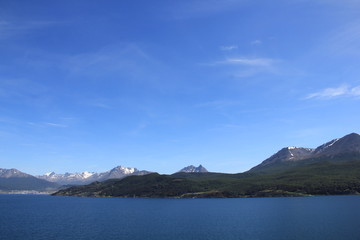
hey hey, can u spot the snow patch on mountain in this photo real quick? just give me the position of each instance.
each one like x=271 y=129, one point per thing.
x=10 y=173
x=323 y=147
x=88 y=177
x=347 y=144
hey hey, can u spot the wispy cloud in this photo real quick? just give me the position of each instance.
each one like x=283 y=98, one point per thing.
x=263 y=62
x=105 y=103
x=50 y=124
x=341 y=91
x=256 y=42
x=47 y=124
x=344 y=40
x=243 y=67
x=228 y=48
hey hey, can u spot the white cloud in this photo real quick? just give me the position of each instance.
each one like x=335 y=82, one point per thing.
x=229 y=48
x=47 y=124
x=261 y=62
x=344 y=40
x=355 y=91
x=243 y=67
x=256 y=42
x=341 y=91
x=55 y=125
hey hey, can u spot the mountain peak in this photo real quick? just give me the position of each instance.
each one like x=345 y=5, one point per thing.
x=348 y=144
x=285 y=155
x=10 y=173
x=122 y=168
x=193 y=169
x=13 y=179
x=291 y=148
x=88 y=177
x=120 y=171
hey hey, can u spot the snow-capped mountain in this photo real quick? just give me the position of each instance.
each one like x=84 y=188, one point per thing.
x=118 y=172
x=13 y=179
x=88 y=177
x=193 y=169
x=323 y=147
x=69 y=178
x=349 y=144
x=288 y=154
x=11 y=173
x=346 y=144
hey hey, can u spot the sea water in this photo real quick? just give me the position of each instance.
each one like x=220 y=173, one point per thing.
x=47 y=217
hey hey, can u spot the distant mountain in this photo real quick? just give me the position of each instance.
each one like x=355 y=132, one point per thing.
x=193 y=169
x=288 y=154
x=88 y=177
x=321 y=178
x=340 y=149
x=69 y=178
x=13 y=179
x=121 y=172
x=12 y=173
x=331 y=169
x=347 y=144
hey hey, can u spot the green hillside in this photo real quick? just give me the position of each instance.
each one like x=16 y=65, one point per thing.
x=319 y=178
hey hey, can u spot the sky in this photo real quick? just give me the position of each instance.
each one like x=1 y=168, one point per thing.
x=159 y=85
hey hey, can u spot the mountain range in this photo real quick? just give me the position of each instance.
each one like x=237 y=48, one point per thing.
x=330 y=169
x=115 y=173
x=88 y=177
x=337 y=161
x=15 y=180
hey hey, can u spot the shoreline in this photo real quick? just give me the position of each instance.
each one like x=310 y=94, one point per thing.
x=26 y=192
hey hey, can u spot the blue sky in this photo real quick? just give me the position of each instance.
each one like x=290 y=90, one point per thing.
x=159 y=85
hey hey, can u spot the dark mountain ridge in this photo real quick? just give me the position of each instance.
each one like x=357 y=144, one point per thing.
x=346 y=144
x=346 y=148
x=331 y=169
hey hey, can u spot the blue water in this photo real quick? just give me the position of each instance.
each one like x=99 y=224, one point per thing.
x=46 y=217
